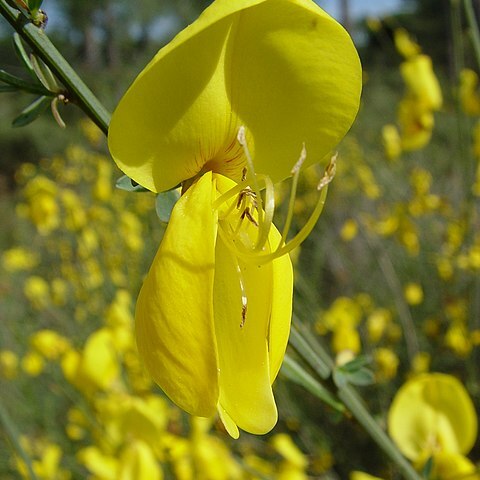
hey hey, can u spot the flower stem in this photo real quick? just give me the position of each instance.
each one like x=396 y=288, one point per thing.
x=356 y=406
x=12 y=432
x=43 y=47
x=314 y=354
x=473 y=27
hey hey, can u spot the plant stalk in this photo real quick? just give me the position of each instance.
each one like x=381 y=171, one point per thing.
x=43 y=47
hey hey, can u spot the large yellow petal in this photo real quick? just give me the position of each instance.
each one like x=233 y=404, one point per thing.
x=282 y=68
x=432 y=412
x=244 y=377
x=174 y=316
x=281 y=314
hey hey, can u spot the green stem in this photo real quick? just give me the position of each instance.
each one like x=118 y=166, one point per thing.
x=321 y=366
x=473 y=26
x=12 y=432
x=353 y=402
x=43 y=47
x=315 y=354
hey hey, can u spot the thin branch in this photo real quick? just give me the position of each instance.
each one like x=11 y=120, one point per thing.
x=43 y=47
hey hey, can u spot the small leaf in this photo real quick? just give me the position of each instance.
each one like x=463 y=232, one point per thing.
x=32 y=112
x=356 y=364
x=22 y=54
x=34 y=5
x=164 y=204
x=126 y=183
x=296 y=373
x=361 y=377
x=45 y=75
x=354 y=372
x=21 y=84
x=427 y=468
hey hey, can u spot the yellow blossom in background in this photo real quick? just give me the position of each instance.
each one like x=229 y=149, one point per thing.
x=421 y=363
x=137 y=462
x=423 y=96
x=431 y=414
x=103 y=466
x=404 y=44
x=59 y=291
x=448 y=465
x=43 y=210
x=413 y=293
x=46 y=458
x=76 y=217
x=294 y=463
x=392 y=142
x=349 y=230
x=102 y=189
x=32 y=364
x=37 y=291
x=49 y=344
x=8 y=364
x=377 y=322
x=422 y=84
x=386 y=362
x=213 y=315
x=458 y=339
x=416 y=124
x=99 y=363
x=468 y=92
x=19 y=258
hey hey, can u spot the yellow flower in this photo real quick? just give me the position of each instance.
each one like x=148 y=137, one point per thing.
x=387 y=363
x=448 y=465
x=8 y=364
x=467 y=92
x=33 y=364
x=432 y=413
x=417 y=72
x=49 y=344
x=138 y=462
x=19 y=258
x=404 y=43
x=37 y=291
x=392 y=142
x=231 y=99
x=413 y=293
x=43 y=208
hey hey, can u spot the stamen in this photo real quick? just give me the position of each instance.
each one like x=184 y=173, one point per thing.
x=293 y=194
x=265 y=212
x=249 y=200
x=242 y=140
x=281 y=250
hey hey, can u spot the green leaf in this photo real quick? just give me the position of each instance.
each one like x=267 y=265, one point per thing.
x=356 y=364
x=427 y=468
x=21 y=84
x=296 y=373
x=44 y=74
x=354 y=372
x=164 y=204
x=32 y=112
x=126 y=183
x=34 y=5
x=23 y=55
